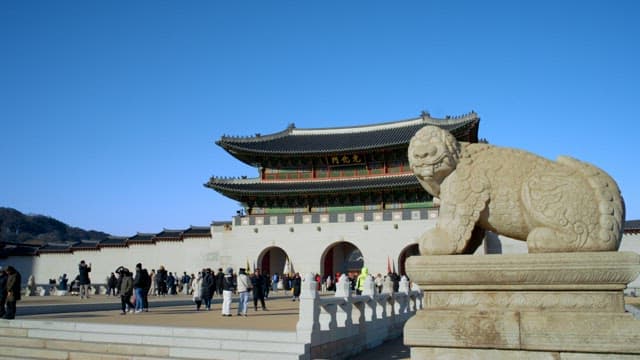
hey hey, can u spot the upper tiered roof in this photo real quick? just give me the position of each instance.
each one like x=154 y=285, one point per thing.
x=390 y=137
x=325 y=141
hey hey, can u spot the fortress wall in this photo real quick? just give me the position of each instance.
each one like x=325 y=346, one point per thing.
x=305 y=247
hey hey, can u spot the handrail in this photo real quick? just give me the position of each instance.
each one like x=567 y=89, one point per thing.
x=365 y=320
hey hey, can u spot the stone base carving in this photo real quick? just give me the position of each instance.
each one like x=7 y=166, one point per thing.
x=523 y=306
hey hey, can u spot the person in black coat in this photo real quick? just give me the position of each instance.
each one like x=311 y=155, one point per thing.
x=296 y=284
x=171 y=284
x=208 y=287
x=14 y=282
x=161 y=281
x=84 y=269
x=3 y=290
x=258 y=282
x=396 y=282
x=111 y=285
x=220 y=281
x=146 y=286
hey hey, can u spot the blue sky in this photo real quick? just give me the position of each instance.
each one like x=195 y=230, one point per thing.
x=109 y=109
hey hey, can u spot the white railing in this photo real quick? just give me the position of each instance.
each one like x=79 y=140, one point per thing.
x=363 y=321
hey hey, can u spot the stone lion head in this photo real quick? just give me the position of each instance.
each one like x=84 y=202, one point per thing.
x=433 y=155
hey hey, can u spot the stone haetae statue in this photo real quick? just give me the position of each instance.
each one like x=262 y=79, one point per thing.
x=561 y=206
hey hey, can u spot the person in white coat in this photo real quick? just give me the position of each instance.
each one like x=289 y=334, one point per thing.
x=244 y=286
x=196 y=290
x=227 y=291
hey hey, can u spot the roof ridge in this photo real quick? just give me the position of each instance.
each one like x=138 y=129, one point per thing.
x=291 y=129
x=425 y=118
x=165 y=229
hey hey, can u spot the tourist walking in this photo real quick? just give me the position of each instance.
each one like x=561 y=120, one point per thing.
x=146 y=286
x=274 y=282
x=63 y=283
x=219 y=281
x=244 y=285
x=196 y=290
x=13 y=286
x=171 y=284
x=364 y=273
x=84 y=269
x=208 y=287
x=267 y=284
x=3 y=290
x=296 y=284
x=185 y=283
x=112 y=282
x=161 y=281
x=259 y=283
x=227 y=291
x=140 y=286
x=153 y=290
x=126 y=290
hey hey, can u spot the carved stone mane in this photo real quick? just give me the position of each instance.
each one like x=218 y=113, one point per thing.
x=561 y=206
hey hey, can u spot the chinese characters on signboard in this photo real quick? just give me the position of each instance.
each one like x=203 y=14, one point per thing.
x=347 y=159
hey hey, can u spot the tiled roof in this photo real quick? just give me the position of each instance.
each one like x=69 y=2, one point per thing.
x=167 y=234
x=141 y=238
x=237 y=188
x=55 y=248
x=632 y=227
x=85 y=245
x=18 y=250
x=113 y=241
x=347 y=139
x=197 y=231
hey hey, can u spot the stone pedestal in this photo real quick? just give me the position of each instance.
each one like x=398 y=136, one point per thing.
x=524 y=306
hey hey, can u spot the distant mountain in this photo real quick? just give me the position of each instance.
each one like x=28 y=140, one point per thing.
x=16 y=227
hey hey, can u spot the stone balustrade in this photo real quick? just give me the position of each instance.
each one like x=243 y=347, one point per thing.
x=49 y=289
x=361 y=321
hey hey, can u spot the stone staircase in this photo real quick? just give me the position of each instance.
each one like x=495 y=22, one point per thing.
x=35 y=339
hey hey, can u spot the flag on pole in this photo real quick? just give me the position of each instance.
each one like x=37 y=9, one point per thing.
x=388 y=265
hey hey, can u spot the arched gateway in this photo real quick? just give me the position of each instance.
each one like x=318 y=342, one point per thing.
x=343 y=258
x=273 y=260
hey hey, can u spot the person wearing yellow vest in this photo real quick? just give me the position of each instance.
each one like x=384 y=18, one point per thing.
x=361 y=279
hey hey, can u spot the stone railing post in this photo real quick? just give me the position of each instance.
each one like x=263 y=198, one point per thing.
x=369 y=287
x=343 y=312
x=403 y=298
x=343 y=287
x=369 y=306
x=308 y=321
x=387 y=285
x=404 y=285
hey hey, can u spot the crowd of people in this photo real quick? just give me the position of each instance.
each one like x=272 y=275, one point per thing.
x=134 y=288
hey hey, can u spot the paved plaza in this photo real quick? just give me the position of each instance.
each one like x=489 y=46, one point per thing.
x=179 y=311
